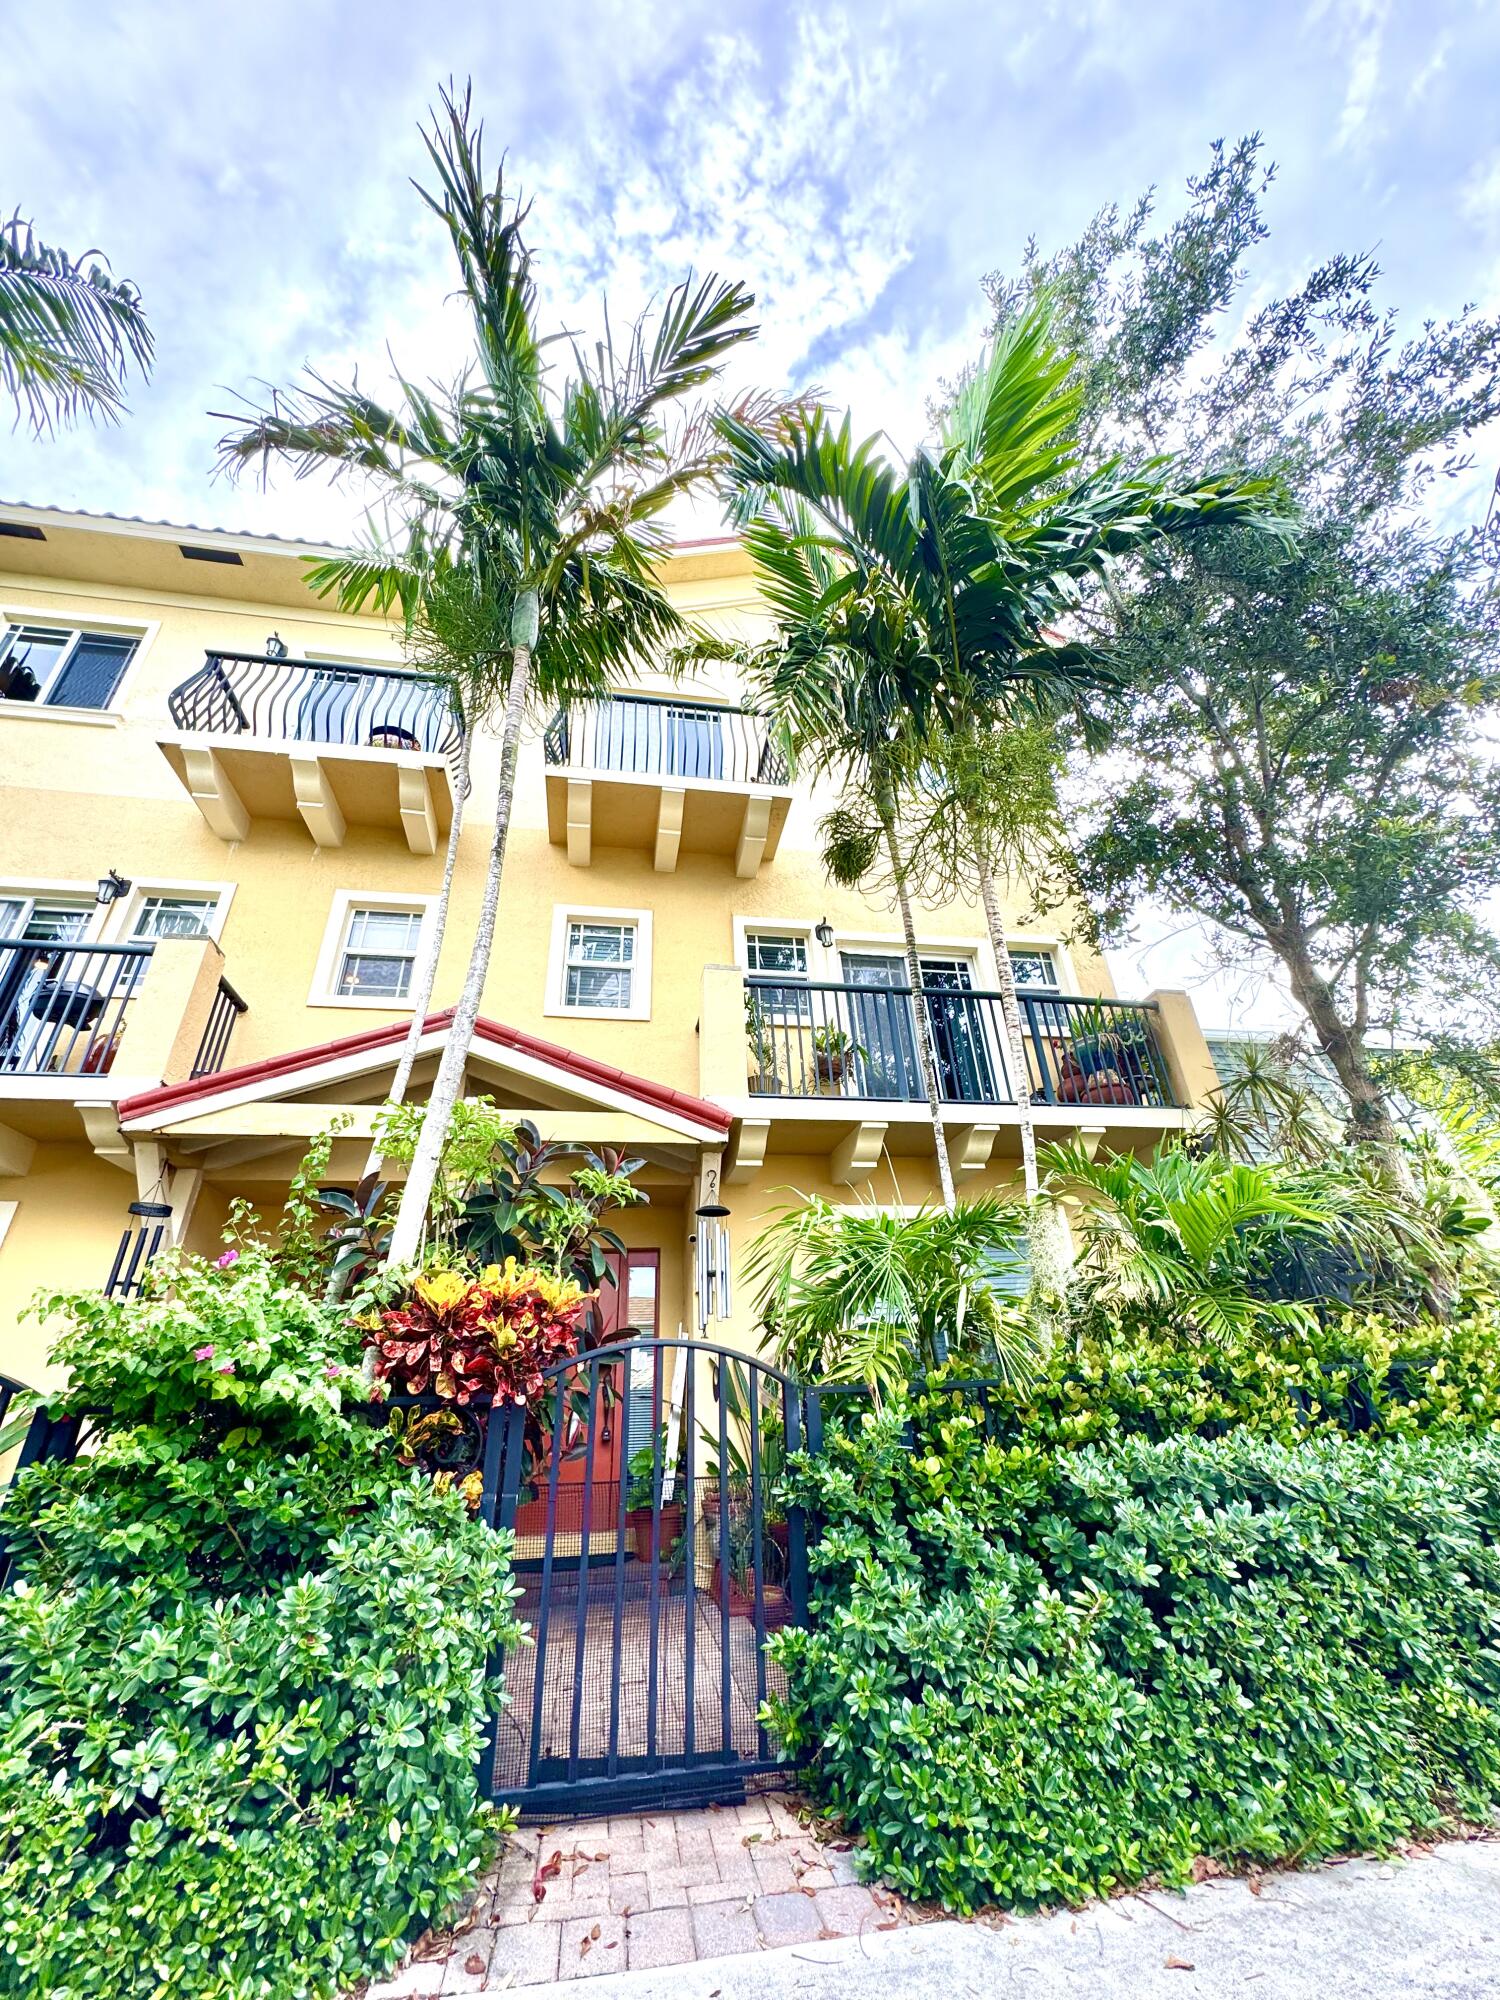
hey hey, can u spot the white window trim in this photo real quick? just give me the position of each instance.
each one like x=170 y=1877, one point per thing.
x=800 y=927
x=30 y=887
x=143 y=632
x=121 y=918
x=324 y=991
x=564 y=914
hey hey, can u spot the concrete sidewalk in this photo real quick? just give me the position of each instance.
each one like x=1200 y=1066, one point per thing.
x=1427 y=1928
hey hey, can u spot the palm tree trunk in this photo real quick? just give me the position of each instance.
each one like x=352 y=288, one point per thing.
x=1010 y=1014
x=411 y=1216
x=1046 y=1241
x=925 y=1058
x=432 y=945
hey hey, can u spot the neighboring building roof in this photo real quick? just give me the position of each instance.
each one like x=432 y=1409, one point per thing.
x=586 y=1069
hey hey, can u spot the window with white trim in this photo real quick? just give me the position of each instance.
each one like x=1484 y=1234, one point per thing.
x=776 y=954
x=173 y=916
x=1036 y=967
x=377 y=953
x=62 y=667
x=599 y=971
x=599 y=963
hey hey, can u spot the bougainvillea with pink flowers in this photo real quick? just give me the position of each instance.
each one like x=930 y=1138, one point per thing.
x=493 y=1335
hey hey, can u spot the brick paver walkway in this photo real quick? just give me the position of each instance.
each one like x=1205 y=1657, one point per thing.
x=568 y=1902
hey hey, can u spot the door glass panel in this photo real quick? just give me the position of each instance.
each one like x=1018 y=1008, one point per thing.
x=960 y=1043
x=880 y=1024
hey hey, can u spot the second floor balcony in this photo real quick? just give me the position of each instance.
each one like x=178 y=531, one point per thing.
x=83 y=1024
x=668 y=776
x=860 y=1042
x=260 y=736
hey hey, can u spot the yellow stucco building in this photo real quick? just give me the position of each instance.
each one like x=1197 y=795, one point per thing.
x=223 y=808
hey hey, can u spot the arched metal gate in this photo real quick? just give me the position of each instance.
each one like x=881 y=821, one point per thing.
x=655 y=1560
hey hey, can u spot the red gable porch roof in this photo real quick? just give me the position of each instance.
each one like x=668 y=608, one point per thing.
x=587 y=1069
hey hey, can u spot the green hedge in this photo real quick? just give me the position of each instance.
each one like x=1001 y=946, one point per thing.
x=1357 y=1374
x=1035 y=1679
x=244 y=1675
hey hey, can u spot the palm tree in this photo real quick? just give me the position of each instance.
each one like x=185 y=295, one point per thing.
x=864 y=1295
x=1211 y=1243
x=549 y=496
x=68 y=330
x=942 y=583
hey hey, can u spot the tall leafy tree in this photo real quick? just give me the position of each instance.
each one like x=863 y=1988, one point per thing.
x=69 y=331
x=1301 y=755
x=923 y=606
x=548 y=492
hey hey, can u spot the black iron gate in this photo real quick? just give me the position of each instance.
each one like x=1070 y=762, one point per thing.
x=655 y=1559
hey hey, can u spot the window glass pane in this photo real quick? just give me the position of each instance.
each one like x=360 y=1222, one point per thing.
x=27 y=657
x=776 y=953
x=601 y=944
x=174 y=916
x=1034 y=968
x=597 y=986
x=55 y=922
x=375 y=978
x=92 y=671
x=384 y=930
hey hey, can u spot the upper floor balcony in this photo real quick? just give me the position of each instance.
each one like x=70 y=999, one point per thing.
x=668 y=776
x=832 y=1041
x=82 y=1025
x=260 y=736
x=815 y=1068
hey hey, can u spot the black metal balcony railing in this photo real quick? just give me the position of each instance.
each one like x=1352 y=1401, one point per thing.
x=62 y=1006
x=212 y=1049
x=810 y=1040
x=304 y=701
x=658 y=736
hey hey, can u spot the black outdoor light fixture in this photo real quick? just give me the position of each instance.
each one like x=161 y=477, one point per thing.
x=276 y=647
x=111 y=888
x=823 y=932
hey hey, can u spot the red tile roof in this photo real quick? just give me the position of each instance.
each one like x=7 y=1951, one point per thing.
x=658 y=1096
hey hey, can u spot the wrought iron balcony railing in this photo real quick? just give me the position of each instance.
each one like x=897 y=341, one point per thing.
x=658 y=736
x=811 y=1040
x=307 y=701
x=63 y=1008
x=222 y=1015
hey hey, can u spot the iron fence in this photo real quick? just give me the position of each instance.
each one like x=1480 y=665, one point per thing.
x=307 y=701
x=811 y=1039
x=62 y=1006
x=226 y=1010
x=660 y=737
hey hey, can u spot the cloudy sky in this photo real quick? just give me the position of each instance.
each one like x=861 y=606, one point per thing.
x=861 y=166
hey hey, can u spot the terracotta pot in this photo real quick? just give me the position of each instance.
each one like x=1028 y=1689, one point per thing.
x=638 y=1525
x=831 y=1067
x=781 y=1535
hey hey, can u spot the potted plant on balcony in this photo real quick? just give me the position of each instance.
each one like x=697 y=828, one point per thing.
x=765 y=1079
x=833 y=1051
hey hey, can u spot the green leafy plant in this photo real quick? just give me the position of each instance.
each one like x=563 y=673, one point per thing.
x=1032 y=1680
x=866 y=1295
x=244 y=1670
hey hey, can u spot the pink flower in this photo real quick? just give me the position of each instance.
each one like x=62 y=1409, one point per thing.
x=203 y=1353
x=225 y=1368
x=333 y=1371
x=223 y=1263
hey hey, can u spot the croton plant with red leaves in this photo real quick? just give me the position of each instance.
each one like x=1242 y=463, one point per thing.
x=465 y=1337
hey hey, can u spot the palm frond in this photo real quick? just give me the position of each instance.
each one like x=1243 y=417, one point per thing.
x=69 y=331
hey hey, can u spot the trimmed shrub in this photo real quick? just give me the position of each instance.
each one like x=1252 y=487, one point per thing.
x=244 y=1671
x=1357 y=1374
x=1033 y=1679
